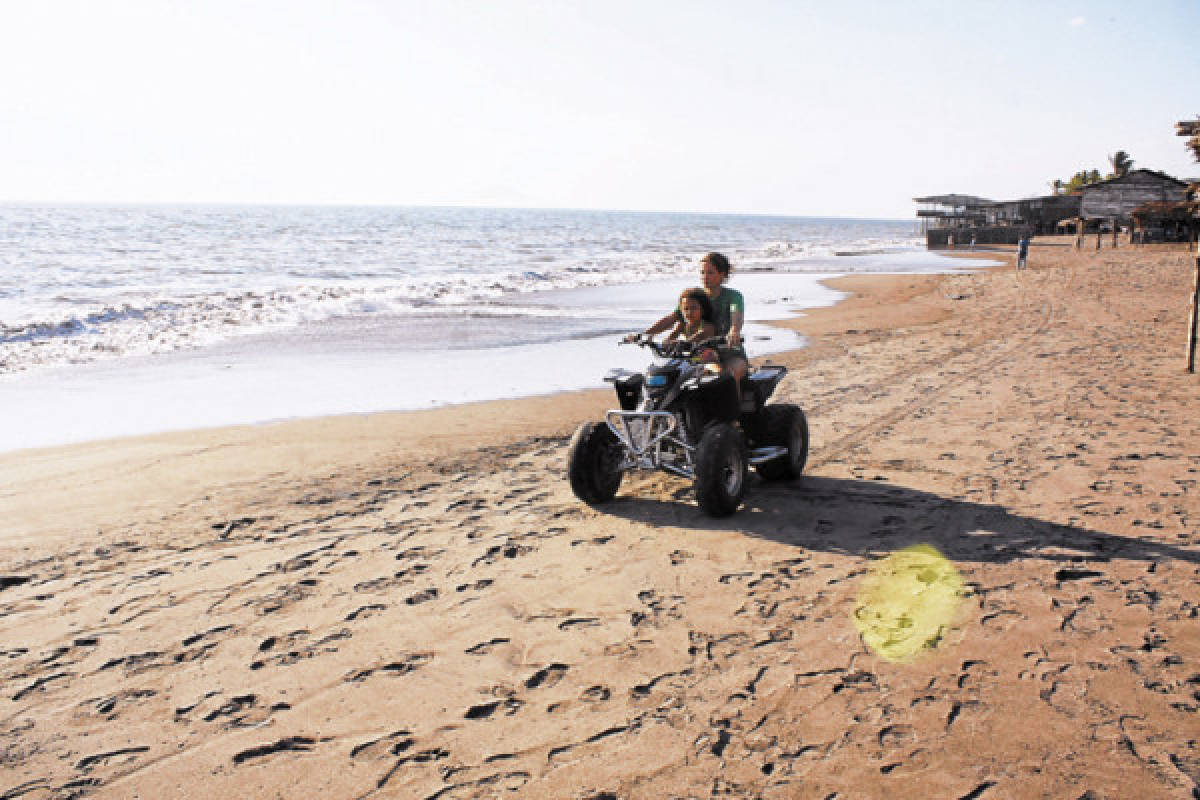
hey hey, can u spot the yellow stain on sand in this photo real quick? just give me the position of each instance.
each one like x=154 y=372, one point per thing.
x=907 y=601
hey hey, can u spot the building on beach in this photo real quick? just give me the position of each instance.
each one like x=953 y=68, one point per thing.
x=1045 y=212
x=1104 y=205
x=1151 y=205
x=969 y=218
x=947 y=219
x=950 y=211
x=1037 y=214
x=1111 y=203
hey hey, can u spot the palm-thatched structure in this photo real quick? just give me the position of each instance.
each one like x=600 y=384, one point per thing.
x=1191 y=129
x=1167 y=222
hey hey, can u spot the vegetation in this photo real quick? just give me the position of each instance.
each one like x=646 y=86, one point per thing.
x=1190 y=128
x=1121 y=164
x=1076 y=181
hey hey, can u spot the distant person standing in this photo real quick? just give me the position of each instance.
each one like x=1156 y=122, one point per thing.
x=1022 y=251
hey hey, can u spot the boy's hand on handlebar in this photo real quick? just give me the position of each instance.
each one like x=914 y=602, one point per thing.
x=733 y=339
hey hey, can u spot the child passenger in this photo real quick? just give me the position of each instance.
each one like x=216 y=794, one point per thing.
x=696 y=321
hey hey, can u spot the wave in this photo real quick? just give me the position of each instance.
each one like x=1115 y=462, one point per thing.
x=224 y=273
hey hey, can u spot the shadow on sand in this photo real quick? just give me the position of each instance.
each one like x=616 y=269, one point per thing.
x=865 y=518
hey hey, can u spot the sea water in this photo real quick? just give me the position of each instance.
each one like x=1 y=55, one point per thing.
x=117 y=321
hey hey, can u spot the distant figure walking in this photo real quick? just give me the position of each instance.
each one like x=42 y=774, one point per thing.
x=950 y=241
x=1022 y=251
x=972 y=241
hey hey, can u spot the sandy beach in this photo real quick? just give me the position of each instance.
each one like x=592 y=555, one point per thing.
x=415 y=605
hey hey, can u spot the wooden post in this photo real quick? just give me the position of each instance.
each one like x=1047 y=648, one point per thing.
x=1191 y=351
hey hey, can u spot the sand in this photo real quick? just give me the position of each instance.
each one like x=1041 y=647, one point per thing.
x=415 y=605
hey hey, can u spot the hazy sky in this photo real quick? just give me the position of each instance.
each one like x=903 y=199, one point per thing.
x=830 y=108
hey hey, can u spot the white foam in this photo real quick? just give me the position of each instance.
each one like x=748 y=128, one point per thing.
x=83 y=284
x=316 y=371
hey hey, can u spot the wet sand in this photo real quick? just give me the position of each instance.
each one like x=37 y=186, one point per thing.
x=414 y=605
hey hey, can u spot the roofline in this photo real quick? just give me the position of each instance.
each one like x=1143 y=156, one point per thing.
x=1155 y=172
x=968 y=199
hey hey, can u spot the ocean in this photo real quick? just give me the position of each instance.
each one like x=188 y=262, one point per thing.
x=124 y=320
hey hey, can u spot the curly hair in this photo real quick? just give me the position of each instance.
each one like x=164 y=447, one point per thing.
x=701 y=299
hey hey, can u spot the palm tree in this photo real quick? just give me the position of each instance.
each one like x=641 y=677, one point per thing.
x=1190 y=127
x=1121 y=163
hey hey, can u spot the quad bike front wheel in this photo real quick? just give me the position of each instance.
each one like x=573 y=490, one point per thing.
x=593 y=463
x=721 y=466
x=784 y=425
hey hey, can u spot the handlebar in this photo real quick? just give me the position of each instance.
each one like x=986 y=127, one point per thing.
x=680 y=348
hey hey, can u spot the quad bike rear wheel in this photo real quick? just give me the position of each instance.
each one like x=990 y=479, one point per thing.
x=721 y=466
x=593 y=463
x=784 y=425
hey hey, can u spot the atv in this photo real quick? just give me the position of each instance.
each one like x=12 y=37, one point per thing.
x=687 y=418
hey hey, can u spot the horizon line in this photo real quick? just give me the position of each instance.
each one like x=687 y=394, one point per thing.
x=299 y=204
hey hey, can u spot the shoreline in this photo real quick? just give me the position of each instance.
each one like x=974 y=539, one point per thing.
x=414 y=604
x=368 y=439
x=365 y=365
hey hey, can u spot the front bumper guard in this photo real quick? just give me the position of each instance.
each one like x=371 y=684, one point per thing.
x=644 y=434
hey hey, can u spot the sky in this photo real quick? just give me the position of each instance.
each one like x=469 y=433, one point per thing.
x=761 y=106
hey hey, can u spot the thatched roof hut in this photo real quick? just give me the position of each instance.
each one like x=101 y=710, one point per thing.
x=1162 y=212
x=1168 y=221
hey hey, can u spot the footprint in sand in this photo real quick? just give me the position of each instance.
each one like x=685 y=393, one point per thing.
x=362 y=612
x=289 y=744
x=596 y=694
x=393 y=744
x=483 y=648
x=107 y=706
x=86 y=763
x=423 y=596
x=546 y=677
x=402 y=666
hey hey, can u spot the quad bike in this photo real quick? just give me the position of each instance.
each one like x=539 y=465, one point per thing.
x=689 y=419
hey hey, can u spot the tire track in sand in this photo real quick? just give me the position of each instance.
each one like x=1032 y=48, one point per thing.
x=977 y=363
